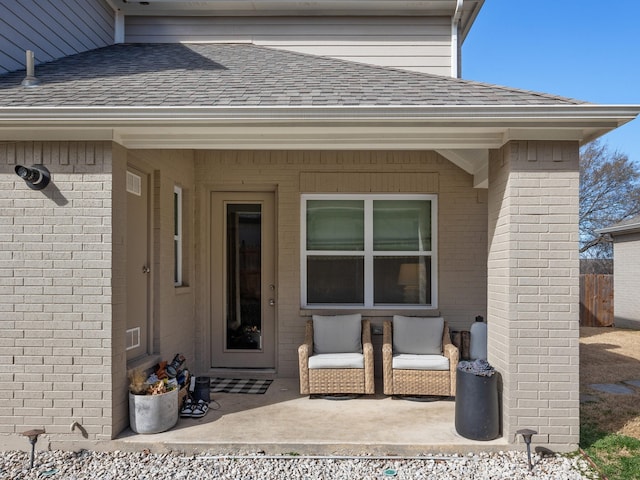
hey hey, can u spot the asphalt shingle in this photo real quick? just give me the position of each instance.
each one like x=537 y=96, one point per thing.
x=241 y=75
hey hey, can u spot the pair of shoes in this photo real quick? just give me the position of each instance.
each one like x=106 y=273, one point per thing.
x=187 y=408
x=199 y=409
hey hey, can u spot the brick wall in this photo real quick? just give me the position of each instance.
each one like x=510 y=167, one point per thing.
x=533 y=288
x=63 y=258
x=462 y=222
x=172 y=323
x=55 y=285
x=173 y=309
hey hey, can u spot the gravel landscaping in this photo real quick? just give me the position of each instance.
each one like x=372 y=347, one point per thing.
x=121 y=465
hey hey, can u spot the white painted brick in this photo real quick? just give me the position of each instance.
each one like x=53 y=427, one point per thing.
x=45 y=236
x=545 y=237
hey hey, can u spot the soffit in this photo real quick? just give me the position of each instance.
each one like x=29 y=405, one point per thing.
x=463 y=135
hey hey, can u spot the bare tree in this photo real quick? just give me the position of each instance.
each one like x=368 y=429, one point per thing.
x=609 y=193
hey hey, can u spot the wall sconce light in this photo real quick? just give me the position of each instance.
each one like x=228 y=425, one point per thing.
x=37 y=176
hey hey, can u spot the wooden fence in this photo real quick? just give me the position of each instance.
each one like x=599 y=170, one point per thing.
x=596 y=300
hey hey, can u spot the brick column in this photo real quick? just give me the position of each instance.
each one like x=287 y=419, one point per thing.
x=55 y=293
x=533 y=289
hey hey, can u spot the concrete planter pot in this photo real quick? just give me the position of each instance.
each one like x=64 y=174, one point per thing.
x=153 y=413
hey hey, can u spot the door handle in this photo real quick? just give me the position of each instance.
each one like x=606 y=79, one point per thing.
x=145 y=269
x=272 y=302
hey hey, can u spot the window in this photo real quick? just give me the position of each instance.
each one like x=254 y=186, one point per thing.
x=374 y=251
x=177 y=235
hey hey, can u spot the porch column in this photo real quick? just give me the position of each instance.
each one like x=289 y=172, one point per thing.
x=533 y=289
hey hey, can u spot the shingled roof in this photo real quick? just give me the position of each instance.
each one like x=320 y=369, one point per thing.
x=145 y=75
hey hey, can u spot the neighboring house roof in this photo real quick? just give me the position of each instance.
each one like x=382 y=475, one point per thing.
x=631 y=225
x=242 y=75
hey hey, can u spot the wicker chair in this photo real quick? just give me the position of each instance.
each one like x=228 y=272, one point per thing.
x=325 y=372
x=410 y=373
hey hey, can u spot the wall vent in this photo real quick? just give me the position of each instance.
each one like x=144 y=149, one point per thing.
x=133 y=338
x=134 y=183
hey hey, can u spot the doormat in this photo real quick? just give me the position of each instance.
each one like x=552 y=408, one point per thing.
x=239 y=385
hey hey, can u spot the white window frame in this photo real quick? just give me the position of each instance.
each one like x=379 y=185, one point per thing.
x=368 y=252
x=177 y=235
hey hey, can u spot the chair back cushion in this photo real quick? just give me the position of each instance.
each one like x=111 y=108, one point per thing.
x=337 y=333
x=418 y=335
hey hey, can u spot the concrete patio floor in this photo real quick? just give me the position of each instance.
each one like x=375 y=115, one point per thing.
x=282 y=421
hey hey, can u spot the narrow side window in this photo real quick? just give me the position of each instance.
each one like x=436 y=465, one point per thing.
x=177 y=235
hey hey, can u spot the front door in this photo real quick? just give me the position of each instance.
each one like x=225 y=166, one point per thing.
x=243 y=280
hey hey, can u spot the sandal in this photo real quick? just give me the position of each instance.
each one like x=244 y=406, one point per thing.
x=187 y=408
x=200 y=409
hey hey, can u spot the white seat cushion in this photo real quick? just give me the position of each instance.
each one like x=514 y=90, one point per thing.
x=337 y=360
x=405 y=361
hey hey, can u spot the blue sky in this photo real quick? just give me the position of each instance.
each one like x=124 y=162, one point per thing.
x=584 y=49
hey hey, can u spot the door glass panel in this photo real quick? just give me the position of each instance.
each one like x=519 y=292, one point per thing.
x=244 y=246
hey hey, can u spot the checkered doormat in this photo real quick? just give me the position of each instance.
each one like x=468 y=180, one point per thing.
x=239 y=385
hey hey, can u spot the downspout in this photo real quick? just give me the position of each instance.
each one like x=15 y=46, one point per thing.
x=455 y=50
x=118 y=23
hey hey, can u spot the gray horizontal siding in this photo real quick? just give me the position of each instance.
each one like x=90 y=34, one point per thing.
x=52 y=29
x=415 y=43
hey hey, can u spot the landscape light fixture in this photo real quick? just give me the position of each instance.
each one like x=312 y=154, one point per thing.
x=526 y=435
x=37 y=176
x=33 y=438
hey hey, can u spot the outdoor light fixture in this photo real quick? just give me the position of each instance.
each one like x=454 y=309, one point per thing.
x=526 y=435
x=36 y=176
x=33 y=438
